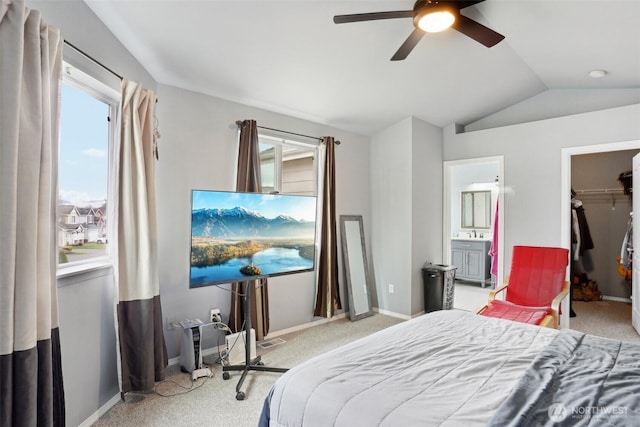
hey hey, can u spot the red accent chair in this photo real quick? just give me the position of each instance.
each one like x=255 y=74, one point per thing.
x=534 y=288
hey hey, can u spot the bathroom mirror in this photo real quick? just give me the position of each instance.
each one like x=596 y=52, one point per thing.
x=356 y=271
x=476 y=209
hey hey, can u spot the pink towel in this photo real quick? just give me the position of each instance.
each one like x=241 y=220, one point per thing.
x=493 y=249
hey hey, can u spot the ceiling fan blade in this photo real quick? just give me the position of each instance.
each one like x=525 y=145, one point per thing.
x=358 y=17
x=408 y=45
x=462 y=4
x=477 y=31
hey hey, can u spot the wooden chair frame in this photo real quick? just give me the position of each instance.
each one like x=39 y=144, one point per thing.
x=551 y=320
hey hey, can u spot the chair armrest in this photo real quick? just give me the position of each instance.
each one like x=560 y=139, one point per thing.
x=555 y=303
x=492 y=294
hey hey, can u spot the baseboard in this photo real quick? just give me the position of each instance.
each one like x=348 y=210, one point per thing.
x=619 y=299
x=307 y=325
x=101 y=411
x=394 y=314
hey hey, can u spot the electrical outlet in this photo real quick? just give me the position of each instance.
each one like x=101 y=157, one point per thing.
x=214 y=315
x=169 y=324
x=391 y=288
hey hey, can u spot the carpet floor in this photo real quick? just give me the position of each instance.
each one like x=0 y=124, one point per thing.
x=178 y=401
x=609 y=319
x=211 y=402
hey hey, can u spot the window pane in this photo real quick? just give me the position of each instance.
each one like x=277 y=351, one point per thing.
x=267 y=167
x=298 y=171
x=287 y=167
x=82 y=176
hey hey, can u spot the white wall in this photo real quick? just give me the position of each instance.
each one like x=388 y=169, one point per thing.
x=198 y=151
x=88 y=337
x=427 y=203
x=391 y=215
x=406 y=209
x=557 y=103
x=532 y=166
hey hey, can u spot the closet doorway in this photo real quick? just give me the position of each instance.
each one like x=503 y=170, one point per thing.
x=590 y=180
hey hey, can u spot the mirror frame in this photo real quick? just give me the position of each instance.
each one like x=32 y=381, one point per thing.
x=347 y=267
x=488 y=196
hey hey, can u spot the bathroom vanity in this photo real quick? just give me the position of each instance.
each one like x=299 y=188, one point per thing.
x=471 y=259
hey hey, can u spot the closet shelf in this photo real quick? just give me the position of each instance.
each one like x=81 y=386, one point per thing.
x=601 y=191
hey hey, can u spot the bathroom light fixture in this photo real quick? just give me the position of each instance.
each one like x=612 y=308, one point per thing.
x=495 y=181
x=434 y=18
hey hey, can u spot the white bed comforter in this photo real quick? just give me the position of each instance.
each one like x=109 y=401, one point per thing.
x=446 y=368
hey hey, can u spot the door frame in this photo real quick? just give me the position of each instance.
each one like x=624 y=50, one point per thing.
x=635 y=274
x=448 y=166
x=565 y=197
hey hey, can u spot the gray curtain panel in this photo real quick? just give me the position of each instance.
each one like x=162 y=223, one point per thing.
x=31 y=384
x=248 y=180
x=328 y=293
x=143 y=353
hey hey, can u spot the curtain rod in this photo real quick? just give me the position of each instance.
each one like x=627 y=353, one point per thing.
x=80 y=51
x=240 y=122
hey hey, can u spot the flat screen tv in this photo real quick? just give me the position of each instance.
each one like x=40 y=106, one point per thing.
x=234 y=232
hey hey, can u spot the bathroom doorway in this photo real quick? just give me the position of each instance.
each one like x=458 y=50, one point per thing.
x=467 y=237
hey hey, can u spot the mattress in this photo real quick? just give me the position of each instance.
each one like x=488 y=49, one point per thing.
x=445 y=368
x=577 y=380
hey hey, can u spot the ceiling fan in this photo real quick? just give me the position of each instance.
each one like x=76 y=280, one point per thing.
x=430 y=16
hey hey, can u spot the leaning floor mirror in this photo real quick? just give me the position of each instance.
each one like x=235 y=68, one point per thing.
x=356 y=271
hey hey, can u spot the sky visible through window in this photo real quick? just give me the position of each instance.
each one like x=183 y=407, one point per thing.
x=83 y=165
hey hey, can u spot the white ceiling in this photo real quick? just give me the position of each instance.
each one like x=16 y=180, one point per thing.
x=289 y=57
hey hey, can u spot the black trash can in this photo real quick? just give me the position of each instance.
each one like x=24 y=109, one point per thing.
x=438 y=286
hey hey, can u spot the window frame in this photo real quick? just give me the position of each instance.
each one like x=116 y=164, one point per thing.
x=94 y=87
x=279 y=143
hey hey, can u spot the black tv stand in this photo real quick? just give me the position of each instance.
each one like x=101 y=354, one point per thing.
x=249 y=364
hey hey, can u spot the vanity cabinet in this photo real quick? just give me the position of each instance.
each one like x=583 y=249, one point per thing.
x=471 y=259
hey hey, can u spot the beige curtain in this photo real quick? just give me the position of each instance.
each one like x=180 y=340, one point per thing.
x=143 y=353
x=31 y=386
x=328 y=293
x=248 y=180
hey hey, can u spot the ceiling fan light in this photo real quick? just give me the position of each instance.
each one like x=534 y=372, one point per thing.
x=436 y=21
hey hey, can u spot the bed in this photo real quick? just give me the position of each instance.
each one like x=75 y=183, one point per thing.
x=455 y=368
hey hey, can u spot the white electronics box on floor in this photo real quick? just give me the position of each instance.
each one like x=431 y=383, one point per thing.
x=236 y=347
x=190 y=346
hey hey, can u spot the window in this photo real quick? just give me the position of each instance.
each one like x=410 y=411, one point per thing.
x=288 y=167
x=86 y=130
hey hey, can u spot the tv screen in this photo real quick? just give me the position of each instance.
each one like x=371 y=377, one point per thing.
x=232 y=233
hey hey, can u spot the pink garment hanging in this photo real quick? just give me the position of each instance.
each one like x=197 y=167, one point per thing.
x=493 y=250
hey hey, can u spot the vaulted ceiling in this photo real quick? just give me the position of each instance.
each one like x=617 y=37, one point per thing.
x=289 y=56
